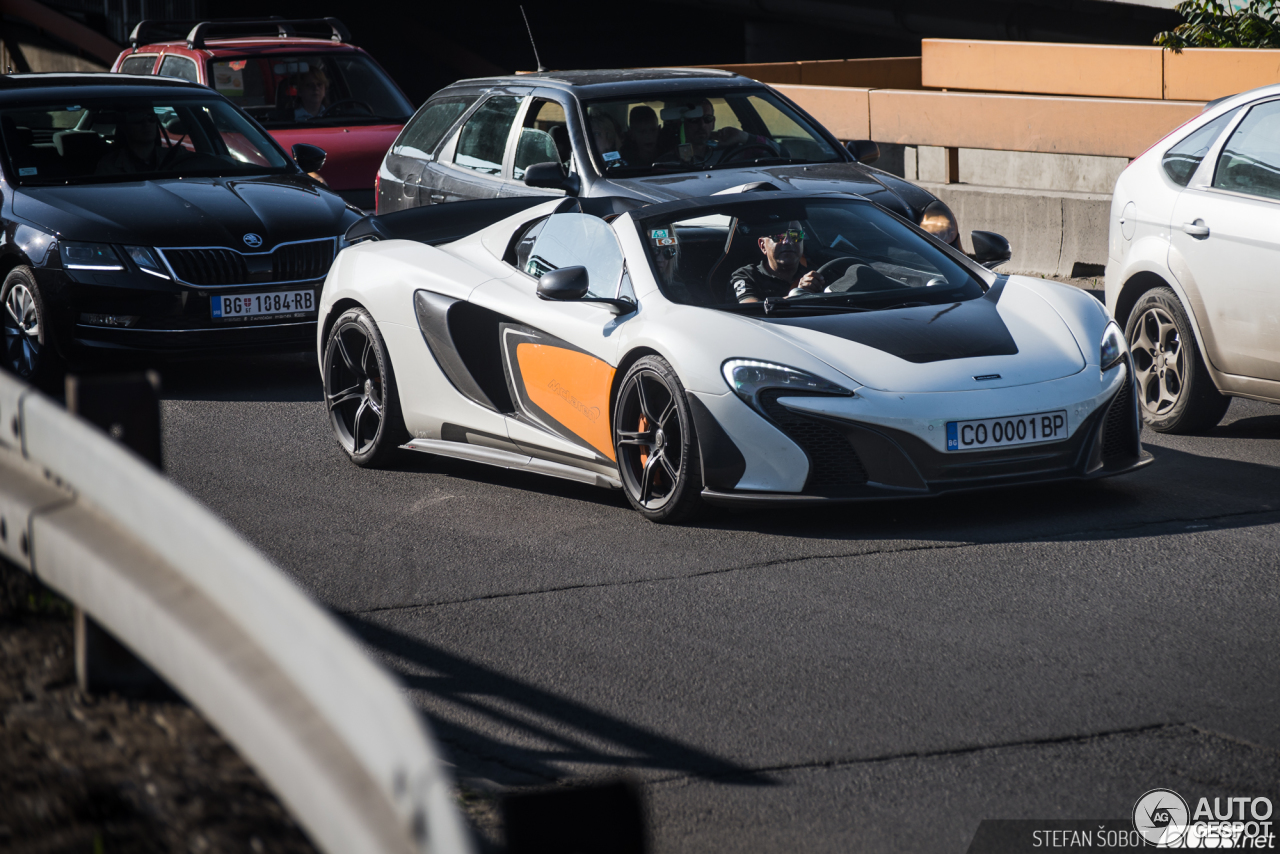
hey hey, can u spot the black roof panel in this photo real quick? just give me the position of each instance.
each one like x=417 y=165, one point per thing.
x=15 y=88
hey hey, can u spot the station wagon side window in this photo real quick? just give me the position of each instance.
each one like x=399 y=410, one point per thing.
x=572 y=240
x=483 y=139
x=140 y=63
x=1181 y=161
x=1250 y=160
x=179 y=67
x=544 y=137
x=429 y=126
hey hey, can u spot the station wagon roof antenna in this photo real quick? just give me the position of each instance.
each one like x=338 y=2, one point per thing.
x=541 y=67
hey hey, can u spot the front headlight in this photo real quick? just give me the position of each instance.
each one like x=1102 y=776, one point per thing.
x=939 y=221
x=1114 y=348
x=146 y=260
x=748 y=378
x=88 y=256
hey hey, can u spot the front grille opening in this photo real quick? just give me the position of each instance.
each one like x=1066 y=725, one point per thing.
x=1117 y=430
x=217 y=267
x=833 y=463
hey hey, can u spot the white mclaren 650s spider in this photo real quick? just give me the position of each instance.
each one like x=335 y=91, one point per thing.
x=612 y=342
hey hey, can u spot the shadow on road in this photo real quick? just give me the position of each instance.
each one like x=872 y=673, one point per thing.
x=287 y=377
x=554 y=730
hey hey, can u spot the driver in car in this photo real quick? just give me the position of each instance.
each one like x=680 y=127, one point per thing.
x=137 y=145
x=781 y=271
x=313 y=92
x=700 y=144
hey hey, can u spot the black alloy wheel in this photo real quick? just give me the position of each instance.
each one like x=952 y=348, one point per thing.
x=1175 y=391
x=360 y=391
x=28 y=350
x=654 y=441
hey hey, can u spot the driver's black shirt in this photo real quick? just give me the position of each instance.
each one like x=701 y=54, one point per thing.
x=756 y=280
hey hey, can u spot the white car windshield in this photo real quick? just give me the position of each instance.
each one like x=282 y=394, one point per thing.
x=802 y=255
x=687 y=131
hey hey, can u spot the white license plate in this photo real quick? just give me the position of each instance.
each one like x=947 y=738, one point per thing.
x=224 y=306
x=1002 y=432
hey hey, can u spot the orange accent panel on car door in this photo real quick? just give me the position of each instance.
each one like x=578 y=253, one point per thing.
x=571 y=387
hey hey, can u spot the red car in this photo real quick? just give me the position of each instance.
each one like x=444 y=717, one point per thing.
x=302 y=80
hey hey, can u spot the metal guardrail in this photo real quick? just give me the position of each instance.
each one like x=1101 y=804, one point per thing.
x=328 y=730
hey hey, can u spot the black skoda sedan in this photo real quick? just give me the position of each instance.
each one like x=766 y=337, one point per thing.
x=145 y=215
x=655 y=135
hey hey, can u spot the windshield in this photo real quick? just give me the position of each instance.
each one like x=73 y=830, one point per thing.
x=309 y=89
x=751 y=256
x=690 y=131
x=126 y=139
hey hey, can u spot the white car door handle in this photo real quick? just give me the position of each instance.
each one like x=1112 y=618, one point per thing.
x=1196 y=229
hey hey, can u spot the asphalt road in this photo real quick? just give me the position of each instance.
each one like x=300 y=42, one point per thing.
x=868 y=678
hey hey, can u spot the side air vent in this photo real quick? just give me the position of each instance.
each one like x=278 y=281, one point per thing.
x=833 y=463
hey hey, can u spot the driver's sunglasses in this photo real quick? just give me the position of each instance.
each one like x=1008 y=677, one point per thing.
x=667 y=252
x=706 y=120
x=795 y=235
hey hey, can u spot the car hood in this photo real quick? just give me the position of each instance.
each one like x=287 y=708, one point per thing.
x=1010 y=337
x=187 y=212
x=815 y=178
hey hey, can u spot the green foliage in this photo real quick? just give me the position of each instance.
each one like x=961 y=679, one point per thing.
x=1210 y=23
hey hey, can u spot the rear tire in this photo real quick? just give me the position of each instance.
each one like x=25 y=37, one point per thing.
x=360 y=391
x=29 y=351
x=1175 y=392
x=655 y=444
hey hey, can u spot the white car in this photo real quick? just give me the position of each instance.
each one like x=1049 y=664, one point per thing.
x=1194 y=250
x=600 y=340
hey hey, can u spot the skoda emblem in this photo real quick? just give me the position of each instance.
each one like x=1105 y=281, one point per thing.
x=253 y=241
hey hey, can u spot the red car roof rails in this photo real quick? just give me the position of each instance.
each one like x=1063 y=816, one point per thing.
x=197 y=32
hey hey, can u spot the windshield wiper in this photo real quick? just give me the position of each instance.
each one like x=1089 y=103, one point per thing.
x=761 y=161
x=772 y=304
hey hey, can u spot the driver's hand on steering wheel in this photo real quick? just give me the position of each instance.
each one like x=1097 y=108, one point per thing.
x=731 y=136
x=812 y=281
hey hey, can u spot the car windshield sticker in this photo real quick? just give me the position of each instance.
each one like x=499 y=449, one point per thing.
x=28 y=170
x=665 y=241
x=228 y=79
x=658 y=232
x=610 y=156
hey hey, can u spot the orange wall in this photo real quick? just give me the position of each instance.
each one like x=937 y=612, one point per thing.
x=890 y=73
x=1102 y=71
x=1202 y=74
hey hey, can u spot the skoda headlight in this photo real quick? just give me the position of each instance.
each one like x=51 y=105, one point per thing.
x=146 y=260
x=1114 y=348
x=939 y=221
x=88 y=256
x=748 y=378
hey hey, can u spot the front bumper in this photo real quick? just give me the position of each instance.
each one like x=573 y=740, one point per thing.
x=851 y=460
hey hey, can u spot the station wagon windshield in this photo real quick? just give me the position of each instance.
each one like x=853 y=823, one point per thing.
x=282 y=90
x=688 y=131
x=130 y=139
x=867 y=258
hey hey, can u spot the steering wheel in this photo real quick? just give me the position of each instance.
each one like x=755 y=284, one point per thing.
x=828 y=271
x=736 y=153
x=349 y=102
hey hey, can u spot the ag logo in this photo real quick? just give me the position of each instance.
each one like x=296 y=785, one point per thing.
x=1161 y=817
x=253 y=241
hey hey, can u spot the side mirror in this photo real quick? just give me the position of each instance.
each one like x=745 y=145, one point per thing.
x=990 y=249
x=863 y=150
x=567 y=283
x=570 y=284
x=309 y=157
x=551 y=176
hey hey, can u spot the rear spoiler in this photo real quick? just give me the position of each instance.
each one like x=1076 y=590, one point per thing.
x=436 y=224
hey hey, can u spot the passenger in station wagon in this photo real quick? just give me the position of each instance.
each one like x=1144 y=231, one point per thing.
x=313 y=94
x=641 y=145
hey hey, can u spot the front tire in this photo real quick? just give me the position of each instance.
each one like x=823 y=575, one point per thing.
x=29 y=350
x=360 y=391
x=1175 y=392
x=654 y=441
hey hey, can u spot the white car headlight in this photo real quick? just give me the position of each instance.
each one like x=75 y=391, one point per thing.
x=748 y=378
x=1114 y=348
